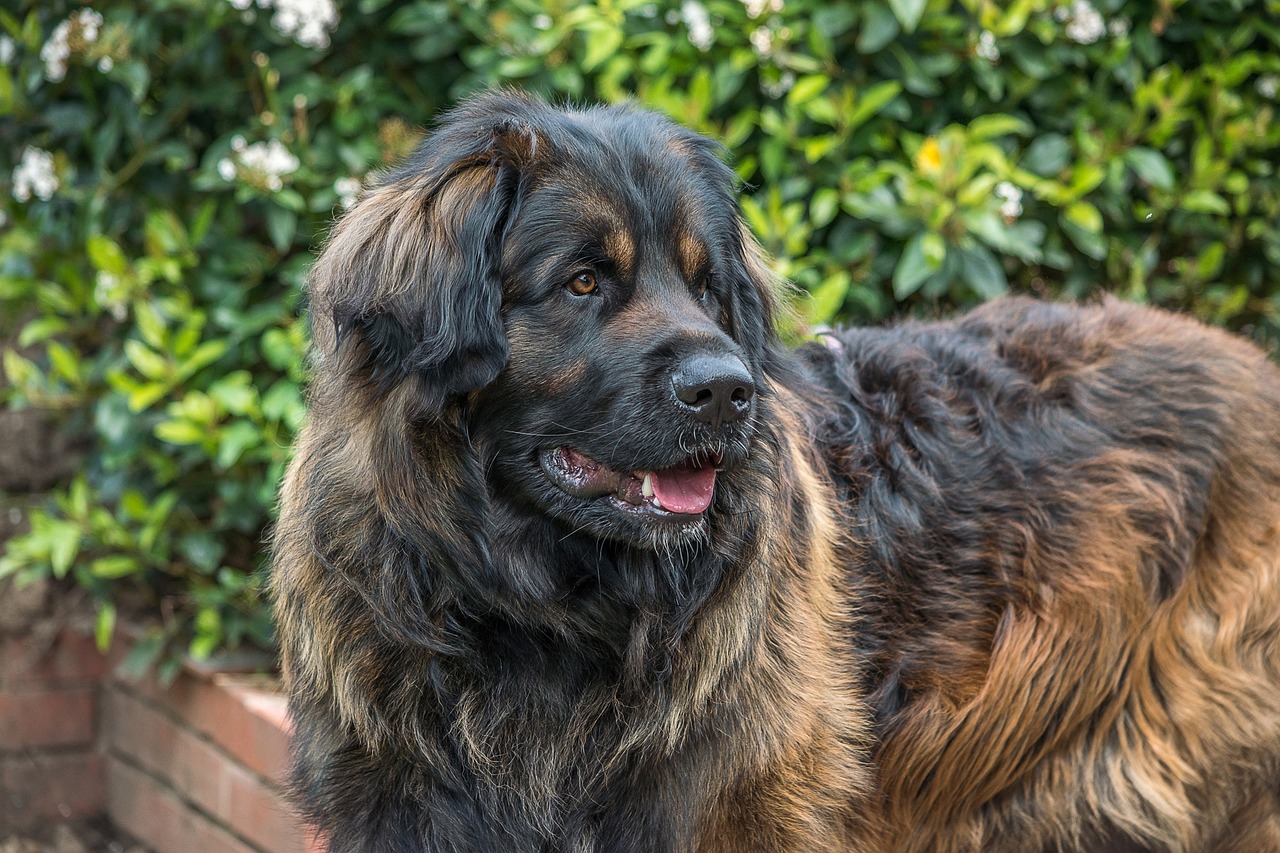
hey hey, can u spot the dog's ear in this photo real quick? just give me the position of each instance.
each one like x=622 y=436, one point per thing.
x=753 y=298
x=408 y=284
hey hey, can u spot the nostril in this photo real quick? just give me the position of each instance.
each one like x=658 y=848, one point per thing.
x=715 y=389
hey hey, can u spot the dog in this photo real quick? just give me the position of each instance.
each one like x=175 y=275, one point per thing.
x=574 y=555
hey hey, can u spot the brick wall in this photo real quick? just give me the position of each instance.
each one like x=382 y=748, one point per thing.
x=196 y=766
x=50 y=766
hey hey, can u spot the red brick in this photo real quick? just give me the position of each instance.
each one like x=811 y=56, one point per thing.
x=38 y=788
x=202 y=774
x=52 y=717
x=247 y=721
x=71 y=658
x=159 y=818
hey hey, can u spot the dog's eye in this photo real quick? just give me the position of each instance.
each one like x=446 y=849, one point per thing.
x=704 y=285
x=582 y=284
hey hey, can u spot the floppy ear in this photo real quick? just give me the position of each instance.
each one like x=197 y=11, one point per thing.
x=753 y=301
x=408 y=284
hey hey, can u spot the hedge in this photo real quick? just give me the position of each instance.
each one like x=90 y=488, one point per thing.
x=166 y=170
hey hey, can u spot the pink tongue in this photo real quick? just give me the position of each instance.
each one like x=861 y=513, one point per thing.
x=684 y=490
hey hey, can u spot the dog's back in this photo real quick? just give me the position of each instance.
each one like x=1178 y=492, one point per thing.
x=1069 y=575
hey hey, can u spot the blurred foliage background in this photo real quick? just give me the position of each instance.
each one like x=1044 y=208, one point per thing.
x=167 y=168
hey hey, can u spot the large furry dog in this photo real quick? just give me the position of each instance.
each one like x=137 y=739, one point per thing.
x=575 y=556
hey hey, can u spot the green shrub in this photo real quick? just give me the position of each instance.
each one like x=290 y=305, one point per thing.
x=166 y=169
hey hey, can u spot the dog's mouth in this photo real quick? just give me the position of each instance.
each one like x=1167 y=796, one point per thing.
x=682 y=492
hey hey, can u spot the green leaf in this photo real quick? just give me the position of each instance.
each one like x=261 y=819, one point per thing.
x=64 y=362
x=1151 y=166
x=1085 y=216
x=151 y=324
x=282 y=227
x=982 y=272
x=879 y=28
x=114 y=567
x=106 y=255
x=807 y=88
x=996 y=125
x=1048 y=154
x=603 y=41
x=825 y=299
x=915 y=265
x=180 y=432
x=908 y=12
x=872 y=101
x=1204 y=201
x=64 y=545
x=147 y=362
x=235 y=440
x=104 y=626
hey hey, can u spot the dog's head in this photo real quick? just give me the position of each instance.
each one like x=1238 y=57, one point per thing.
x=576 y=287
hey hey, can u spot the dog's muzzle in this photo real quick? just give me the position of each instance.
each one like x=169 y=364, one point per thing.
x=715 y=389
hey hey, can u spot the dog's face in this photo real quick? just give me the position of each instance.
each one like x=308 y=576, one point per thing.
x=579 y=288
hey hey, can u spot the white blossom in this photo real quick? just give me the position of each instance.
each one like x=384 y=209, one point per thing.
x=105 y=64
x=987 y=47
x=1085 y=24
x=348 y=190
x=1119 y=27
x=82 y=29
x=541 y=22
x=55 y=54
x=308 y=22
x=1267 y=85
x=779 y=88
x=695 y=17
x=755 y=8
x=262 y=163
x=241 y=5
x=762 y=41
x=1011 y=200
x=34 y=175
x=105 y=289
x=8 y=49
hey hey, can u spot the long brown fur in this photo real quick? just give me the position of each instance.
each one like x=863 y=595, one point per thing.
x=1006 y=583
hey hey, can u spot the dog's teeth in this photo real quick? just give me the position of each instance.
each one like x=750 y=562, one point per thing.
x=646 y=487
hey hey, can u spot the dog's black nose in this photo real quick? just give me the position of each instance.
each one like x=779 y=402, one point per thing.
x=717 y=389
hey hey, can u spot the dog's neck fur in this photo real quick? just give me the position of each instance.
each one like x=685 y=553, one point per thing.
x=620 y=676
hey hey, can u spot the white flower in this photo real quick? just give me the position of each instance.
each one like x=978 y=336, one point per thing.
x=1011 y=205
x=762 y=40
x=34 y=175
x=7 y=50
x=348 y=190
x=241 y=5
x=1086 y=24
x=755 y=8
x=263 y=164
x=82 y=29
x=308 y=22
x=105 y=64
x=106 y=293
x=987 y=48
x=695 y=17
x=55 y=53
x=90 y=23
x=779 y=88
x=1119 y=27
x=1267 y=85
x=541 y=22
